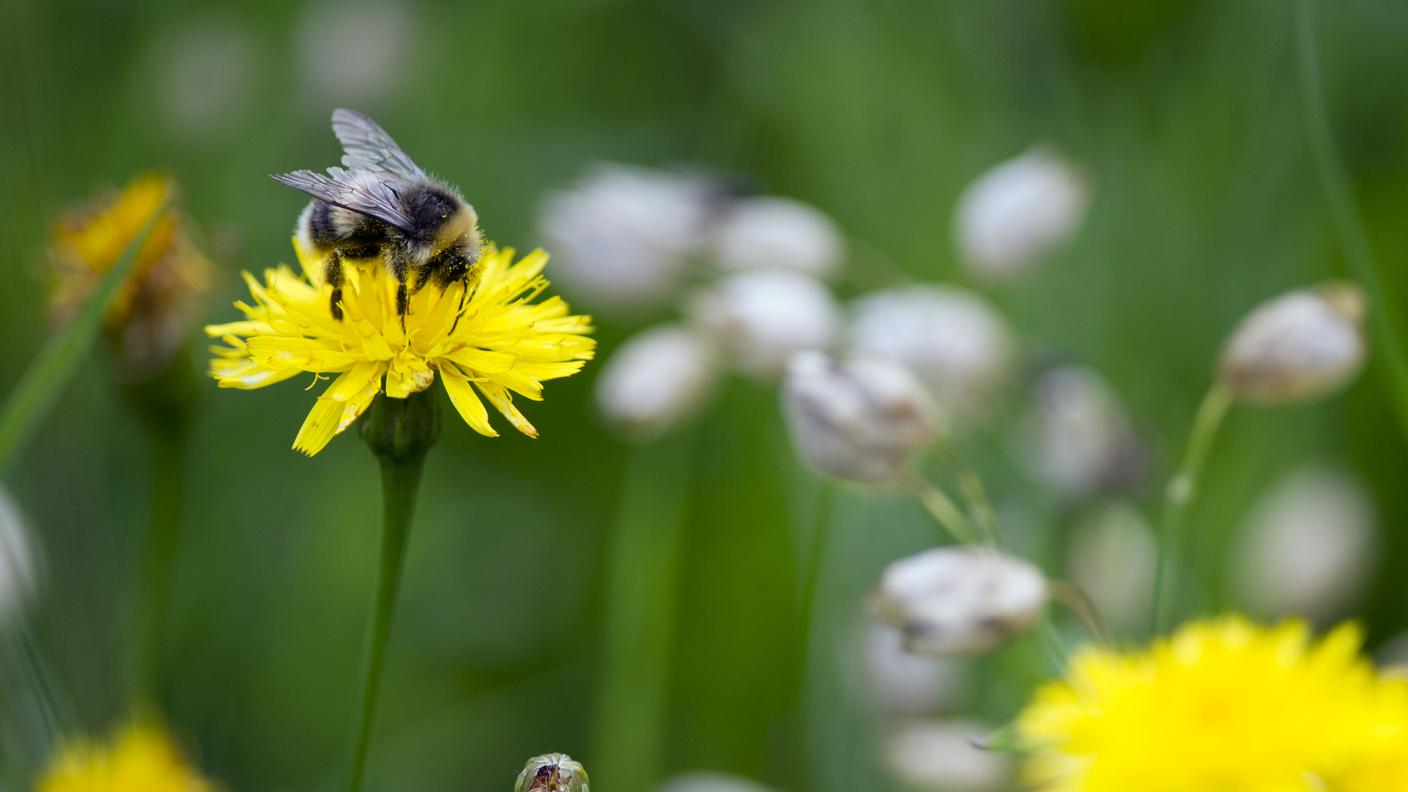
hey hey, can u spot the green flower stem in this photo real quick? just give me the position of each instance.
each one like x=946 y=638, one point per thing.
x=399 y=432
x=168 y=490
x=1178 y=495
x=643 y=566
x=29 y=403
x=165 y=405
x=940 y=506
x=1386 y=319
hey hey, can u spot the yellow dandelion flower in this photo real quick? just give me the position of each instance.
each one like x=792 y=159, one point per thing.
x=496 y=343
x=1222 y=705
x=155 y=305
x=142 y=758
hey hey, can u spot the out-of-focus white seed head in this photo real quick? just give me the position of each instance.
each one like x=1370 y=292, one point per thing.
x=764 y=317
x=622 y=238
x=858 y=418
x=355 y=51
x=19 y=567
x=656 y=379
x=777 y=233
x=1297 y=347
x=928 y=755
x=203 y=76
x=1112 y=556
x=905 y=684
x=950 y=338
x=1017 y=213
x=710 y=782
x=1077 y=437
x=1308 y=546
x=959 y=600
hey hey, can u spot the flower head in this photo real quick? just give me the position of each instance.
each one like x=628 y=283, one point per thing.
x=626 y=236
x=1309 y=546
x=1017 y=213
x=953 y=340
x=141 y=758
x=493 y=342
x=858 y=418
x=777 y=233
x=152 y=310
x=554 y=772
x=1298 y=347
x=657 y=379
x=941 y=756
x=761 y=318
x=1222 y=705
x=959 y=600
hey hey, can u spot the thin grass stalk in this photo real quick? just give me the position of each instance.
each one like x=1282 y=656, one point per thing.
x=1386 y=318
x=29 y=403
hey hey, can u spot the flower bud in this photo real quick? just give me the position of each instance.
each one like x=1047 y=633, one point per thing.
x=959 y=600
x=763 y=317
x=858 y=419
x=1015 y=214
x=957 y=345
x=778 y=233
x=942 y=756
x=1308 y=547
x=1297 y=347
x=1078 y=439
x=1112 y=557
x=154 y=308
x=656 y=379
x=900 y=683
x=623 y=237
x=554 y=772
x=711 y=782
x=19 y=572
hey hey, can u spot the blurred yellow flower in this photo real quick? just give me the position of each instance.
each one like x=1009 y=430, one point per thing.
x=1222 y=705
x=498 y=342
x=142 y=758
x=152 y=310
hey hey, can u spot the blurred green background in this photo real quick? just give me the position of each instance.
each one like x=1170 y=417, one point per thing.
x=1187 y=115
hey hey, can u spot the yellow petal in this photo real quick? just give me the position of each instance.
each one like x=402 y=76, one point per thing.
x=470 y=408
x=503 y=402
x=345 y=399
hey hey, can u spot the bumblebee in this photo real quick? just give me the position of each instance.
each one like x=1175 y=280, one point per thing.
x=381 y=208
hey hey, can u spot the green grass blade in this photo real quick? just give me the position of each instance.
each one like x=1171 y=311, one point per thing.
x=30 y=401
x=1386 y=319
x=643 y=564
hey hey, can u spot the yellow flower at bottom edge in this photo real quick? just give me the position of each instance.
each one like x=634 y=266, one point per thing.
x=141 y=758
x=496 y=343
x=1221 y=706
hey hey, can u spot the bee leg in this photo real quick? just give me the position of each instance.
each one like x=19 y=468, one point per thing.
x=422 y=278
x=333 y=273
x=465 y=275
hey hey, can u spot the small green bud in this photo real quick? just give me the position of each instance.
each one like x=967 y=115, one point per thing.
x=554 y=772
x=402 y=429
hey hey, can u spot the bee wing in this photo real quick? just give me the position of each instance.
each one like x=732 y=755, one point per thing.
x=368 y=147
x=363 y=193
